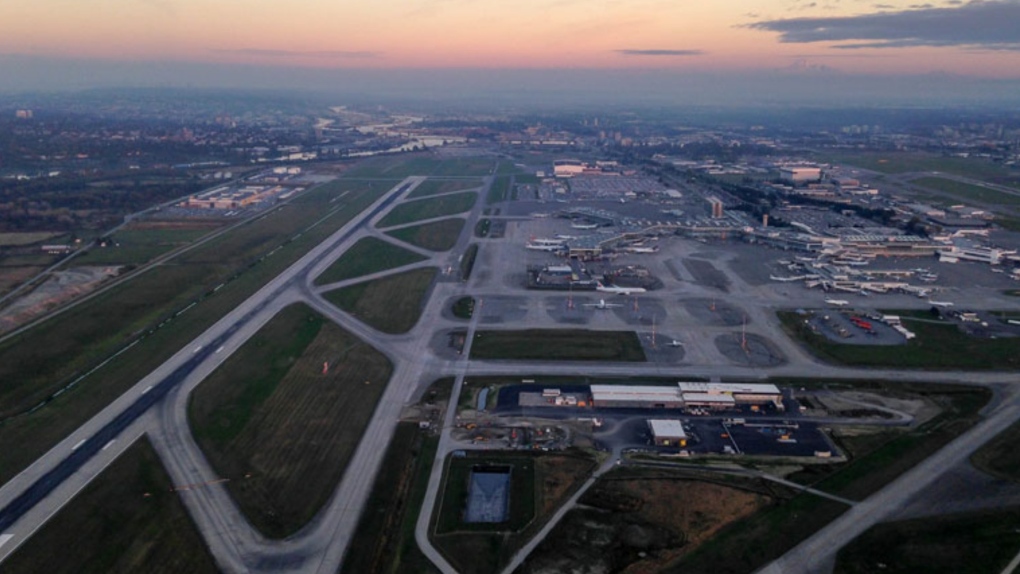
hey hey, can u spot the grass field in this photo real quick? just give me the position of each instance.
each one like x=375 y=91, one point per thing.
x=421 y=209
x=437 y=186
x=482 y=227
x=395 y=167
x=465 y=166
x=39 y=363
x=954 y=544
x=384 y=540
x=15 y=239
x=467 y=262
x=753 y=542
x=436 y=236
x=539 y=485
x=498 y=190
x=279 y=428
x=369 y=255
x=881 y=463
x=137 y=246
x=900 y=162
x=464 y=307
x=937 y=346
x=558 y=345
x=391 y=304
x=968 y=192
x=999 y=456
x=126 y=520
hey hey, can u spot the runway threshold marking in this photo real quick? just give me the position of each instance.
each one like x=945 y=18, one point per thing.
x=4 y=538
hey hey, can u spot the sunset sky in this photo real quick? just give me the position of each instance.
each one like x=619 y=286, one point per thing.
x=980 y=38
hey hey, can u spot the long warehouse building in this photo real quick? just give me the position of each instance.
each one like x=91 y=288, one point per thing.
x=683 y=395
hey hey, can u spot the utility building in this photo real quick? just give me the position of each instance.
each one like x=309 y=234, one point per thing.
x=668 y=432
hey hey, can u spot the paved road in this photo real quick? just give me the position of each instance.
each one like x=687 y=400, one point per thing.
x=816 y=553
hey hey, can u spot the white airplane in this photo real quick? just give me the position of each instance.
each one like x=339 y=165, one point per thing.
x=546 y=246
x=837 y=302
x=602 y=305
x=675 y=343
x=619 y=290
x=584 y=225
x=940 y=303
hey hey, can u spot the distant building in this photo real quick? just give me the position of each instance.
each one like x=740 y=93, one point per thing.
x=23 y=114
x=568 y=167
x=717 y=207
x=800 y=174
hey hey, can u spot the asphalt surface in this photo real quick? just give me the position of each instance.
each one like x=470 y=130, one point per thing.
x=157 y=405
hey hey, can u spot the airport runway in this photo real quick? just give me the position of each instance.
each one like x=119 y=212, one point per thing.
x=157 y=405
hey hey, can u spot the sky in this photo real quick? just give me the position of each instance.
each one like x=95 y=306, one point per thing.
x=977 y=38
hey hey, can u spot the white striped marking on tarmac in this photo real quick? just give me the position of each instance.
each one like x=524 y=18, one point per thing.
x=109 y=443
x=4 y=538
x=77 y=446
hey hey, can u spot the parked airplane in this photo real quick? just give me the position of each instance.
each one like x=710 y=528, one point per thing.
x=675 y=343
x=546 y=246
x=584 y=225
x=619 y=290
x=940 y=303
x=602 y=305
x=837 y=302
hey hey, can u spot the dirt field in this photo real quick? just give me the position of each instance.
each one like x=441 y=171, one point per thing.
x=62 y=286
x=638 y=526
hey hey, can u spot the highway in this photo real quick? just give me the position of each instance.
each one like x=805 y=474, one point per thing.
x=157 y=405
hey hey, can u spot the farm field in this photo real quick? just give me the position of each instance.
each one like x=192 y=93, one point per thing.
x=284 y=436
x=421 y=209
x=391 y=304
x=369 y=255
x=435 y=236
x=42 y=361
x=558 y=344
x=127 y=520
x=434 y=186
